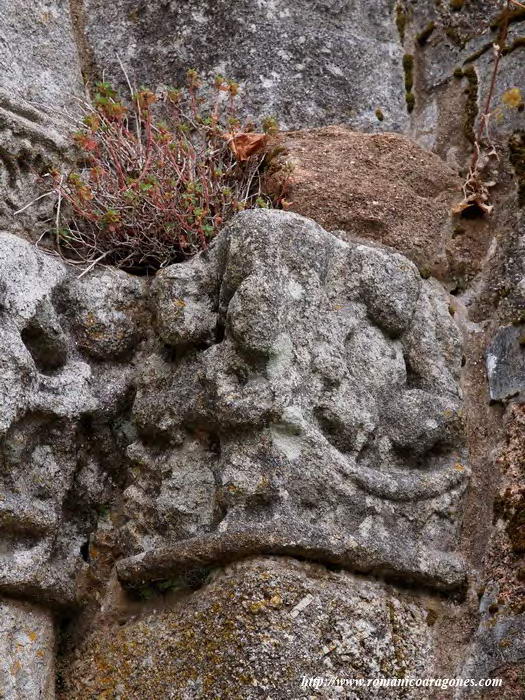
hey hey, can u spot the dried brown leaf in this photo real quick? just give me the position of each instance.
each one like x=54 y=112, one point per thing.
x=244 y=145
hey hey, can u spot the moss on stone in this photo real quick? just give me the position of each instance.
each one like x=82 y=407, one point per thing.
x=471 y=106
x=456 y=37
x=425 y=34
x=408 y=68
x=517 y=15
x=474 y=56
x=401 y=20
x=518 y=43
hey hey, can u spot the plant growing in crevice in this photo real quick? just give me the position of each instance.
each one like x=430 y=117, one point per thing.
x=476 y=196
x=159 y=176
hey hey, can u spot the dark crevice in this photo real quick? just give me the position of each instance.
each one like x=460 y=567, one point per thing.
x=84 y=550
x=185 y=581
x=194 y=577
x=473 y=211
x=46 y=354
x=90 y=72
x=220 y=331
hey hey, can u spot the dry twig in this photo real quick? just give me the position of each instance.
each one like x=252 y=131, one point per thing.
x=475 y=189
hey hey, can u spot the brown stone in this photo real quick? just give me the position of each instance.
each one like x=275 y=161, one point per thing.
x=255 y=629
x=382 y=187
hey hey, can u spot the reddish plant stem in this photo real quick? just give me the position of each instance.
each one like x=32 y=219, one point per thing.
x=484 y=118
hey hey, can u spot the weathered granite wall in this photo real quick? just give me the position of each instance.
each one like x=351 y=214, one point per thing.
x=258 y=628
x=298 y=453
x=41 y=78
x=285 y=393
x=322 y=423
x=307 y=63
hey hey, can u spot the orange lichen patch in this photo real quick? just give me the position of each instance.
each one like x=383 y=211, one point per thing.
x=207 y=639
x=258 y=606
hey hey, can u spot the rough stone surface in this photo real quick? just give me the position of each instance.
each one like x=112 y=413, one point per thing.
x=106 y=313
x=331 y=369
x=41 y=78
x=27 y=651
x=505 y=555
x=308 y=64
x=49 y=399
x=38 y=52
x=254 y=632
x=335 y=179
x=498 y=646
x=109 y=450
x=284 y=393
x=447 y=103
x=31 y=143
x=452 y=74
x=506 y=363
